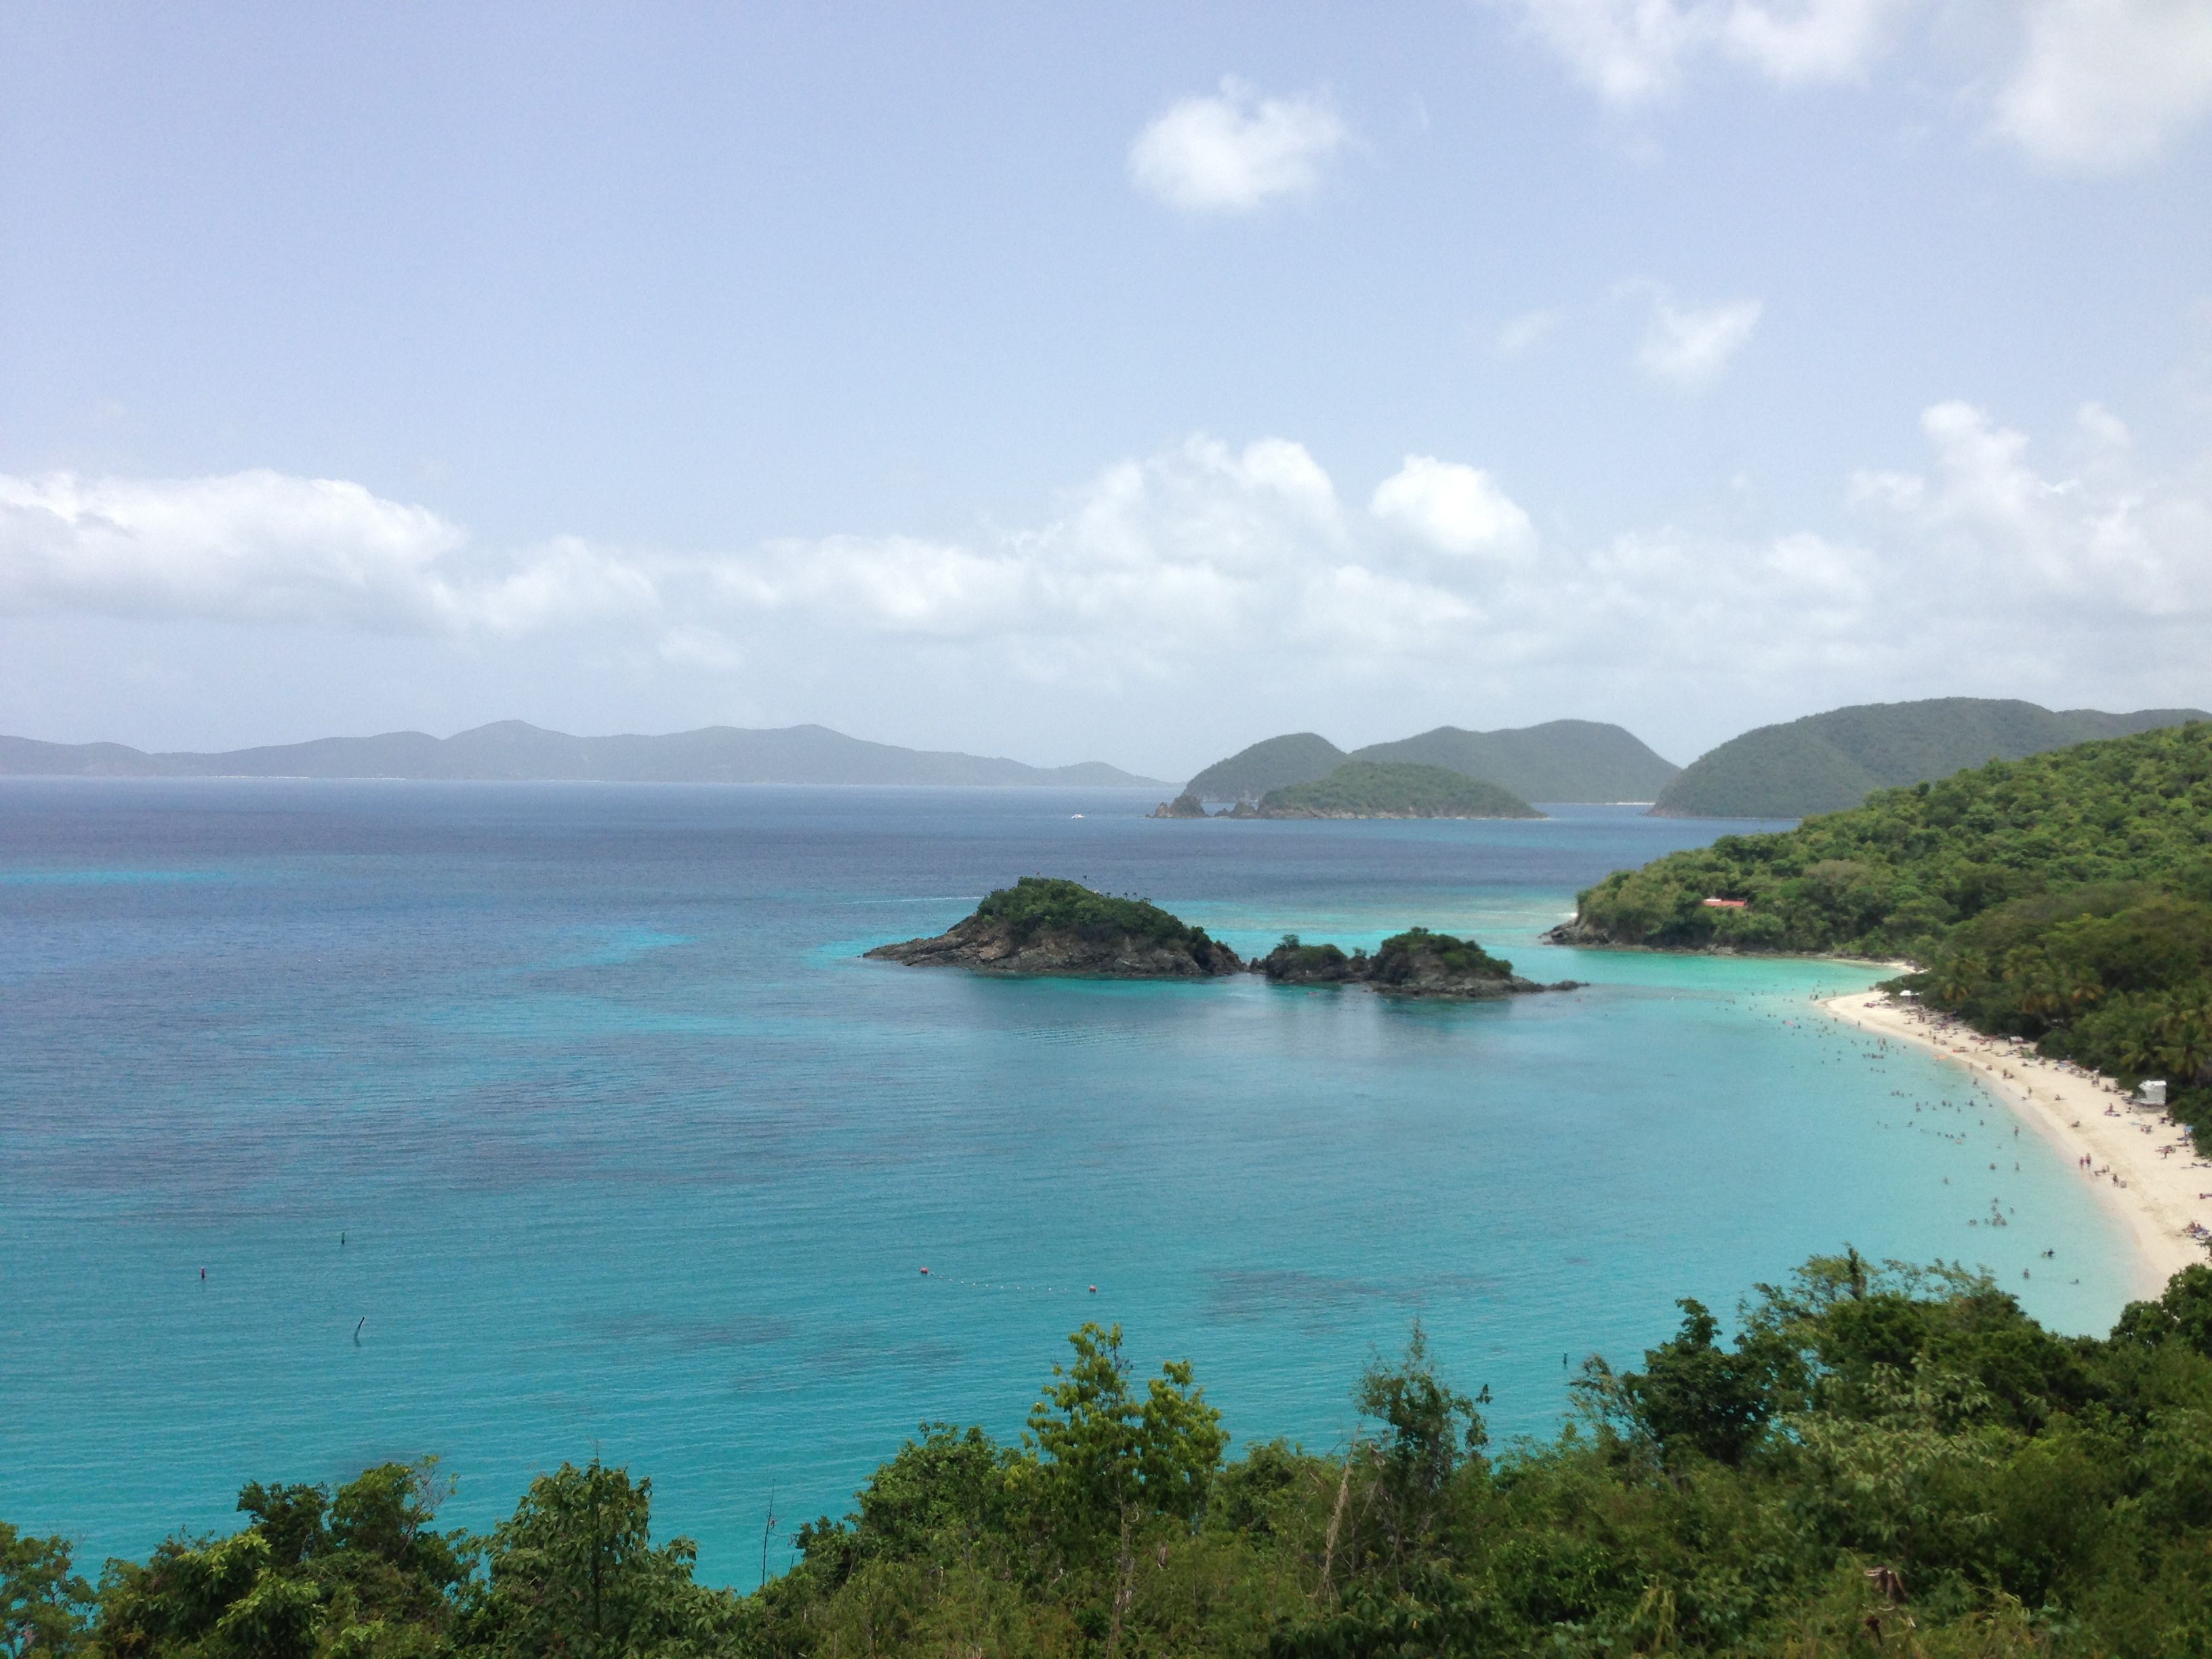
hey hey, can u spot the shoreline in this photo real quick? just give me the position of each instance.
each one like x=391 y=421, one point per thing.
x=2155 y=1197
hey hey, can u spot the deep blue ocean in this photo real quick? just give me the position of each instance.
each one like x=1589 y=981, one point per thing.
x=631 y=1154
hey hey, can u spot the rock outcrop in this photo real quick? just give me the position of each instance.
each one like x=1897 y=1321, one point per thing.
x=1045 y=927
x=1414 y=963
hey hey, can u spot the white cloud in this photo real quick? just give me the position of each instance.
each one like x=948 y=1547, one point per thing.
x=1987 y=529
x=2108 y=83
x=1690 y=346
x=1632 y=52
x=1527 y=332
x=1793 y=42
x=1454 y=508
x=2096 y=84
x=1236 y=151
x=261 y=546
x=1230 y=575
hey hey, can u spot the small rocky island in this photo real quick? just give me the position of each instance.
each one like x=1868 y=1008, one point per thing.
x=1044 y=926
x=1047 y=927
x=1372 y=789
x=1414 y=963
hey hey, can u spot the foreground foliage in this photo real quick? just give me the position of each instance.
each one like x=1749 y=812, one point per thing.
x=2066 y=898
x=1890 y=1461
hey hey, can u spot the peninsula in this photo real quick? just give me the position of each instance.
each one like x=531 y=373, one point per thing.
x=2055 y=911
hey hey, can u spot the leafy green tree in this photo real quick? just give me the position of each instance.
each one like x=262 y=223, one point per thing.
x=1429 y=1431
x=1694 y=1394
x=1114 y=1462
x=45 y=1607
x=573 y=1574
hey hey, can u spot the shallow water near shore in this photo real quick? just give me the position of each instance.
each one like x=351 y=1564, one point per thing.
x=630 y=1152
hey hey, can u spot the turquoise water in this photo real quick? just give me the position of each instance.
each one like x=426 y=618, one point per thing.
x=631 y=1153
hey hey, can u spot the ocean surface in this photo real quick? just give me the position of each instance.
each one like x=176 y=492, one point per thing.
x=516 y=1123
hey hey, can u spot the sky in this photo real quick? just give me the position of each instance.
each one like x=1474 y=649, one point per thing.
x=1125 y=383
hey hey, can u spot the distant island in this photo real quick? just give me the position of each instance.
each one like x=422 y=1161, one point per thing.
x=1054 y=928
x=1565 y=761
x=1381 y=789
x=1829 y=763
x=515 y=751
x=1824 y=762
x=1370 y=789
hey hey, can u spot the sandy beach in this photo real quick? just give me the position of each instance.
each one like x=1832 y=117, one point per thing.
x=2140 y=1161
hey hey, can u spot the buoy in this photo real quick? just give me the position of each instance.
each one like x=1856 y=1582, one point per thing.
x=925 y=1273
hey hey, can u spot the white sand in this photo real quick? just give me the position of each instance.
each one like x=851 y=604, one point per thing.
x=2155 y=1192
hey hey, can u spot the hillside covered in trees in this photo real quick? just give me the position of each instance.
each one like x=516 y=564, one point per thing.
x=1557 y=760
x=1383 y=789
x=1891 y=1460
x=2065 y=897
x=1828 y=763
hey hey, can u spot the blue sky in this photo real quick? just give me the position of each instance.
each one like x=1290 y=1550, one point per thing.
x=1122 y=382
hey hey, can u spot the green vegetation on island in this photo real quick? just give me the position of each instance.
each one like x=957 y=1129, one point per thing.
x=1416 y=964
x=1038 y=905
x=1827 y=763
x=2065 y=897
x=1557 y=760
x=1889 y=1460
x=1407 y=958
x=1375 y=789
x=1045 y=925
x=1273 y=763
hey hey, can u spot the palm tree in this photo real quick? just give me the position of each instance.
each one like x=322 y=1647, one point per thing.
x=2185 y=1035
x=1958 y=977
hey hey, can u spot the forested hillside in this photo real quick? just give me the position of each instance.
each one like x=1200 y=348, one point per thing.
x=2066 y=897
x=1875 y=1461
x=1373 y=789
x=1557 y=760
x=1271 y=763
x=1827 y=763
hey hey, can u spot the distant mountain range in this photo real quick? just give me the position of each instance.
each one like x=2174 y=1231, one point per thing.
x=1564 y=761
x=514 y=752
x=1827 y=762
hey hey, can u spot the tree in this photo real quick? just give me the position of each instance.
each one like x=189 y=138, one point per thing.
x=575 y=1575
x=1430 y=1429
x=1693 y=1393
x=1114 y=1463
x=45 y=1608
